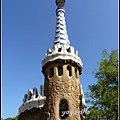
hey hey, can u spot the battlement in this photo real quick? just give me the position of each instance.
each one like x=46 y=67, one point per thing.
x=62 y=52
x=33 y=99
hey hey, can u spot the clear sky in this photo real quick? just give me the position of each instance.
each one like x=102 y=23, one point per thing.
x=28 y=28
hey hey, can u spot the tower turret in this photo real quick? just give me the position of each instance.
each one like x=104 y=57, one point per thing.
x=61 y=68
x=61 y=96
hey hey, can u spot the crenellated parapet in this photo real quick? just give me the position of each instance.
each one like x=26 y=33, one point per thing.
x=33 y=99
x=62 y=52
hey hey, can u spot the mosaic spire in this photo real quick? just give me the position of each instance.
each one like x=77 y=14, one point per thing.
x=61 y=36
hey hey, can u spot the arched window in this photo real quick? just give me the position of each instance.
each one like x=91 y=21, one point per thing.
x=60 y=71
x=69 y=72
x=63 y=109
x=51 y=72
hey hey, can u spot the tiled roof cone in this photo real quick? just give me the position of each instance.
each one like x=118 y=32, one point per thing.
x=61 y=35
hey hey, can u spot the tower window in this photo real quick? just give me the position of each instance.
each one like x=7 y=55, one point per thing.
x=68 y=50
x=60 y=71
x=63 y=109
x=59 y=49
x=69 y=72
x=76 y=73
x=51 y=72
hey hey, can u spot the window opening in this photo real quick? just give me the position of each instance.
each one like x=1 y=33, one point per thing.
x=76 y=73
x=60 y=71
x=69 y=73
x=68 y=50
x=51 y=72
x=63 y=109
x=59 y=49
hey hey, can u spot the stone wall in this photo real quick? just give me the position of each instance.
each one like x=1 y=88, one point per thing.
x=33 y=114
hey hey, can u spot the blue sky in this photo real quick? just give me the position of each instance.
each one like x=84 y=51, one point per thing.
x=28 y=28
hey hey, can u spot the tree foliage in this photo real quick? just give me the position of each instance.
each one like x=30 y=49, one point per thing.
x=14 y=118
x=103 y=96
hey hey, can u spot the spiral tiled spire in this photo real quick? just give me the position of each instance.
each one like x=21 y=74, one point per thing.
x=61 y=36
x=61 y=46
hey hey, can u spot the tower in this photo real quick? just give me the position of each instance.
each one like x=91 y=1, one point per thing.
x=61 y=68
x=62 y=97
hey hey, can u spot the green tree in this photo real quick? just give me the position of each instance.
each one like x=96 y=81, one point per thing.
x=14 y=118
x=9 y=119
x=103 y=96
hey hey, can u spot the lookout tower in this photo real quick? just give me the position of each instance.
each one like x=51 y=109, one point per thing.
x=62 y=96
x=61 y=68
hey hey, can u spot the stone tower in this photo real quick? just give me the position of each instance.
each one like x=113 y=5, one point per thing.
x=61 y=68
x=61 y=97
